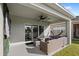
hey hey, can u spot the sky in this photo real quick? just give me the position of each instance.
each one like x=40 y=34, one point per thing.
x=72 y=7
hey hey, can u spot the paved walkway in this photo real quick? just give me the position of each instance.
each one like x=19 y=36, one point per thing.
x=23 y=50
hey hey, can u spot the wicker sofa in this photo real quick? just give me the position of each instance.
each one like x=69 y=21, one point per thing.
x=50 y=46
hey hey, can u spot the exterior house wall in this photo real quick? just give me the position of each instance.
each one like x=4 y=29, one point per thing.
x=1 y=31
x=18 y=29
x=73 y=22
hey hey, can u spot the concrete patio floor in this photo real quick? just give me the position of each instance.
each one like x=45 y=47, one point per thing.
x=23 y=50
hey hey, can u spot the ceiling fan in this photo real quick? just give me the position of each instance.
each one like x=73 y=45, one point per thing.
x=43 y=18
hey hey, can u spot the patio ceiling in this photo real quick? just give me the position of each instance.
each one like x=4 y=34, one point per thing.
x=30 y=13
x=26 y=12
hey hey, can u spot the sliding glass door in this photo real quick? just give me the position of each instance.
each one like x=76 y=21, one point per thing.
x=32 y=32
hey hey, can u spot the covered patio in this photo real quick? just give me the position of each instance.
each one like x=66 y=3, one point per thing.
x=32 y=23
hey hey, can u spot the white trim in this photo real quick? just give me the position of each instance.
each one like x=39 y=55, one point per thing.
x=70 y=31
x=50 y=10
x=45 y=9
x=65 y=10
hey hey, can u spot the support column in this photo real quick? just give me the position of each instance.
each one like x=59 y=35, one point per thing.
x=1 y=31
x=70 y=32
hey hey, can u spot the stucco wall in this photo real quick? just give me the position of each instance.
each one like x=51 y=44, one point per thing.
x=1 y=31
x=18 y=30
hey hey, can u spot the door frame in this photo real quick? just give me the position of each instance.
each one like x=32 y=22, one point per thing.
x=32 y=30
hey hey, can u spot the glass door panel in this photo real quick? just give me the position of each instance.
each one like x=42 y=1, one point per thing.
x=35 y=31
x=28 y=33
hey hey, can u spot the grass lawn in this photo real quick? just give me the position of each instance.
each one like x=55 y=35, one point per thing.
x=72 y=50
